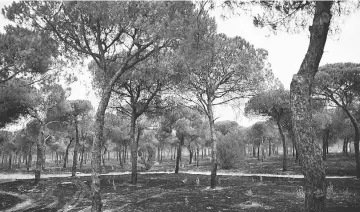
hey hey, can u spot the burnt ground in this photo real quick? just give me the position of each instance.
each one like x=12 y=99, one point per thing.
x=181 y=192
x=187 y=192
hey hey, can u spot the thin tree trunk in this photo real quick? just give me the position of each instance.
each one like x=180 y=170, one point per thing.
x=262 y=150
x=310 y=154
x=82 y=156
x=191 y=156
x=39 y=153
x=75 y=156
x=345 y=147
x=214 y=159
x=10 y=160
x=356 y=140
x=284 y=144
x=96 y=203
x=30 y=158
x=324 y=146
x=178 y=155
x=197 y=158
x=134 y=148
x=269 y=148
x=67 y=153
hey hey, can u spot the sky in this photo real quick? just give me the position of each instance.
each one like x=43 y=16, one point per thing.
x=286 y=52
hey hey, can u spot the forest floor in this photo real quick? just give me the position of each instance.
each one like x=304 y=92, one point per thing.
x=185 y=191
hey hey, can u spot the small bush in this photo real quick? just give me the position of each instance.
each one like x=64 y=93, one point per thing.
x=330 y=191
x=147 y=156
x=300 y=193
x=228 y=153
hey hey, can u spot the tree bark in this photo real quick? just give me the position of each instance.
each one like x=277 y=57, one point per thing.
x=159 y=154
x=67 y=152
x=134 y=148
x=10 y=160
x=198 y=156
x=263 y=149
x=269 y=148
x=178 y=155
x=75 y=156
x=325 y=141
x=96 y=204
x=82 y=156
x=191 y=154
x=345 y=147
x=30 y=158
x=39 y=153
x=283 y=143
x=356 y=140
x=300 y=90
x=214 y=159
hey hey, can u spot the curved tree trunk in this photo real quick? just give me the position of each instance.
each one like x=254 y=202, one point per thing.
x=356 y=140
x=300 y=90
x=67 y=153
x=96 y=203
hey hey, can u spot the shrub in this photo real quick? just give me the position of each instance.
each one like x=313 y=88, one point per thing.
x=147 y=156
x=228 y=152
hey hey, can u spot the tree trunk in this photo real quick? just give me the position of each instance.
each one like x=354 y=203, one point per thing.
x=30 y=158
x=309 y=152
x=254 y=150
x=345 y=144
x=96 y=203
x=159 y=154
x=356 y=140
x=175 y=150
x=121 y=161
x=284 y=144
x=10 y=160
x=75 y=156
x=103 y=156
x=82 y=156
x=39 y=153
x=44 y=156
x=324 y=146
x=258 y=152
x=191 y=156
x=67 y=153
x=269 y=148
x=178 y=155
x=134 y=148
x=197 y=158
x=214 y=159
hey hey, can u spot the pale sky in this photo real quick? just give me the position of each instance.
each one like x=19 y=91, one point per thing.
x=286 y=52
